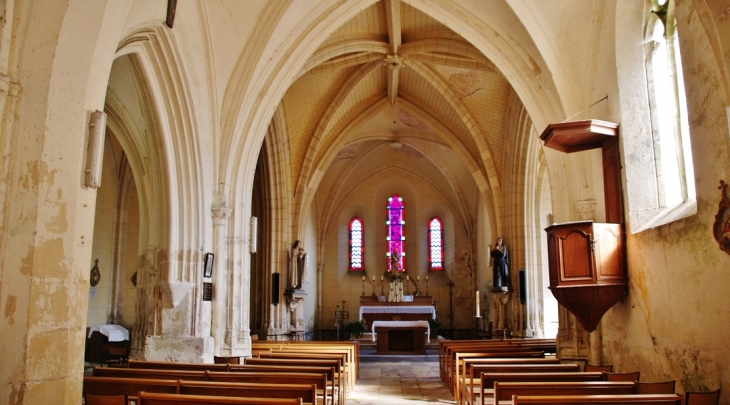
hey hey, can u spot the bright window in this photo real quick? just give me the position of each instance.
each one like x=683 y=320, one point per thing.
x=672 y=155
x=395 y=239
x=356 y=244
x=435 y=244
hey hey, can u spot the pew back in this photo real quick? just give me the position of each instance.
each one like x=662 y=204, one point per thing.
x=307 y=392
x=151 y=398
x=653 y=399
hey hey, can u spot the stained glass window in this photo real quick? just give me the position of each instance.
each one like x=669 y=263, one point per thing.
x=395 y=239
x=435 y=244
x=356 y=244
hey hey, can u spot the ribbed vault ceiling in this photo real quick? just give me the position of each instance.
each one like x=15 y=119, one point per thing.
x=394 y=74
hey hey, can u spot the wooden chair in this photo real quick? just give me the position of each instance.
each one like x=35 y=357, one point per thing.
x=702 y=398
x=590 y=367
x=664 y=387
x=98 y=399
x=621 y=376
x=226 y=360
x=117 y=355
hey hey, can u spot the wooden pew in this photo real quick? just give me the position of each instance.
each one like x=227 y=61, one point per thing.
x=151 y=398
x=320 y=380
x=129 y=386
x=469 y=384
x=166 y=365
x=191 y=375
x=342 y=368
x=645 y=399
x=353 y=347
x=447 y=359
x=446 y=346
x=307 y=392
x=351 y=360
x=455 y=369
x=488 y=379
x=503 y=391
x=337 y=384
x=287 y=368
x=453 y=354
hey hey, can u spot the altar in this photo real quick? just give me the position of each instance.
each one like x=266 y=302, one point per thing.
x=420 y=309
x=399 y=327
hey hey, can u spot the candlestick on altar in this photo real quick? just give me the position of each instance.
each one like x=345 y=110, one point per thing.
x=363 y=286
x=427 y=286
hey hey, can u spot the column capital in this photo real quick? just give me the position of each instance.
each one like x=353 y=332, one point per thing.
x=221 y=213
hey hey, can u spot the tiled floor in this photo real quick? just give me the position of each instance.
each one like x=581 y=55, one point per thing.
x=400 y=382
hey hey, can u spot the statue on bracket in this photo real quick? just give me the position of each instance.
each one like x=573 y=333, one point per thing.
x=297 y=266
x=500 y=275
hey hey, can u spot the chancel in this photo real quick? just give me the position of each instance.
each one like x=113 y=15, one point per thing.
x=456 y=179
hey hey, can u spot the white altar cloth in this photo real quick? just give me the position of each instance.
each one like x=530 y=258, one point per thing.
x=115 y=333
x=410 y=309
x=404 y=324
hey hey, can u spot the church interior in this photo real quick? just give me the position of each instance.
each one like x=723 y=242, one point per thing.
x=209 y=174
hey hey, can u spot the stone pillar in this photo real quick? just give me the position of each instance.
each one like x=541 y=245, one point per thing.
x=221 y=218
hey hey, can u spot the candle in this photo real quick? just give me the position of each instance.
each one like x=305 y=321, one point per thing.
x=381 y=278
x=373 y=279
x=408 y=278
x=418 y=278
x=426 y=278
x=363 y=278
x=478 y=304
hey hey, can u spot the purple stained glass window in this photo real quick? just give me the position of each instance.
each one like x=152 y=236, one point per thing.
x=436 y=244
x=356 y=244
x=395 y=239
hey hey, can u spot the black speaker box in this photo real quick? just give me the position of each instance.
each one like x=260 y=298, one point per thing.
x=275 y=288
x=523 y=287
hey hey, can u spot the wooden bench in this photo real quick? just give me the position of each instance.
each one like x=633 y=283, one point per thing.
x=337 y=389
x=454 y=371
x=307 y=392
x=453 y=353
x=128 y=386
x=165 y=365
x=285 y=368
x=191 y=375
x=487 y=380
x=151 y=398
x=446 y=347
x=503 y=391
x=318 y=379
x=470 y=383
x=653 y=399
x=350 y=359
x=352 y=347
x=342 y=367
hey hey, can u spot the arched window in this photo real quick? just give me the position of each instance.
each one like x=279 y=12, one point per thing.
x=395 y=239
x=356 y=244
x=435 y=244
x=664 y=186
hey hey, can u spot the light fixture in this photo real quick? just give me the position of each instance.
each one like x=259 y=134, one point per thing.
x=95 y=151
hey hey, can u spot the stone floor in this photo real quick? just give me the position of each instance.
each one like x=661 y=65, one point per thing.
x=399 y=382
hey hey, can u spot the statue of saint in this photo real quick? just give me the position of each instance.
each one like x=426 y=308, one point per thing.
x=298 y=265
x=501 y=264
x=394 y=260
